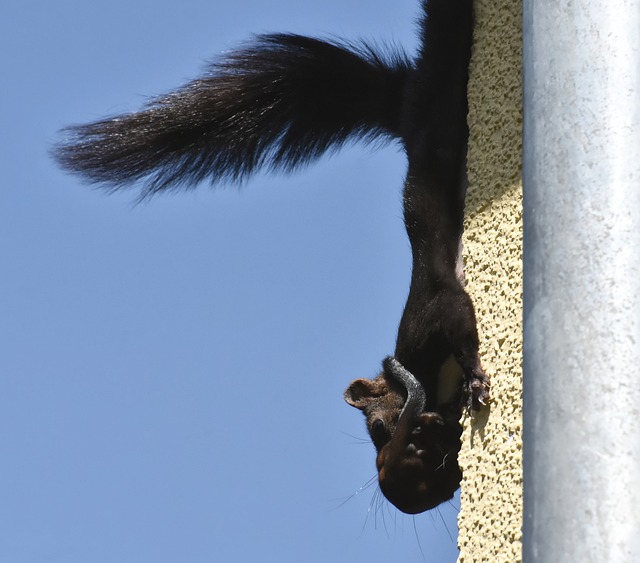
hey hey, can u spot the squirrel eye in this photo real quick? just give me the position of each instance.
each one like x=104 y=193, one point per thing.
x=377 y=429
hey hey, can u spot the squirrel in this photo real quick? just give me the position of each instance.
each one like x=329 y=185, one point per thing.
x=280 y=102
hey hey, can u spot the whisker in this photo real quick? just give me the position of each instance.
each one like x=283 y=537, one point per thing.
x=444 y=460
x=445 y=524
x=379 y=509
x=384 y=520
x=376 y=507
x=415 y=530
x=359 y=439
x=393 y=514
x=456 y=508
x=371 y=506
x=356 y=493
x=433 y=518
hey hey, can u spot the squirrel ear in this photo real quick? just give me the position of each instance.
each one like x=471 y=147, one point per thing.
x=362 y=391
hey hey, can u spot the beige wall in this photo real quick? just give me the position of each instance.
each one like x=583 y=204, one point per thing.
x=490 y=520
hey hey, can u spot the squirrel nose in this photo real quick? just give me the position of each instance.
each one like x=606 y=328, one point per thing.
x=413 y=450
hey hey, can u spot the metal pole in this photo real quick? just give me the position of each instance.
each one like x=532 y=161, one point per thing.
x=582 y=281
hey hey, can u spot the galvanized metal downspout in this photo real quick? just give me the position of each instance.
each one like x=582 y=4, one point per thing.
x=581 y=281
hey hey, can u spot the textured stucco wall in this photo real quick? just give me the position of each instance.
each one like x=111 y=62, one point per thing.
x=490 y=520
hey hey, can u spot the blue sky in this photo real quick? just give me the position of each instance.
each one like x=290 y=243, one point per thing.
x=172 y=372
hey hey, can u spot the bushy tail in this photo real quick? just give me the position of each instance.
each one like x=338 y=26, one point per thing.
x=278 y=103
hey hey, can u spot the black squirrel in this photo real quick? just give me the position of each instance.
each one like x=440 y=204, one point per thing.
x=282 y=101
x=418 y=440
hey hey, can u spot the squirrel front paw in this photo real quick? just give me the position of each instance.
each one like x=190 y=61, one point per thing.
x=476 y=391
